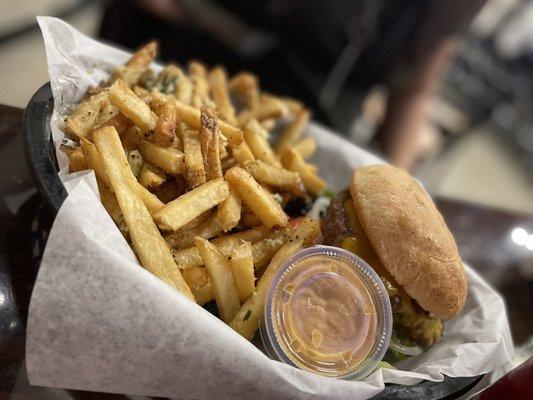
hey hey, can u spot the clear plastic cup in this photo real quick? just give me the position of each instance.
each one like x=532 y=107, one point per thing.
x=327 y=312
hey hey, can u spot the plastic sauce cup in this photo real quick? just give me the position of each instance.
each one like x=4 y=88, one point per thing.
x=327 y=312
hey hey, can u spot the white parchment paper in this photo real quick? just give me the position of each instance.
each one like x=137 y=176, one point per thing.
x=98 y=321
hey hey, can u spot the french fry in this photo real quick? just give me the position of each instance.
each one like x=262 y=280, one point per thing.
x=294 y=106
x=255 y=137
x=246 y=87
x=77 y=161
x=306 y=147
x=249 y=219
x=293 y=131
x=269 y=107
x=276 y=177
x=137 y=65
x=168 y=159
x=247 y=319
x=149 y=245
x=132 y=106
x=220 y=94
x=166 y=123
x=198 y=282
x=229 y=211
x=82 y=121
x=242 y=153
x=185 y=208
x=191 y=116
x=242 y=266
x=110 y=203
x=210 y=144
x=200 y=86
x=293 y=161
x=194 y=173
x=256 y=198
x=132 y=138
x=184 y=90
x=189 y=257
x=94 y=161
x=151 y=176
x=118 y=121
x=184 y=237
x=264 y=249
x=268 y=124
x=221 y=279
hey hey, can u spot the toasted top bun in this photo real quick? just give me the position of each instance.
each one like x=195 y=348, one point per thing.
x=410 y=238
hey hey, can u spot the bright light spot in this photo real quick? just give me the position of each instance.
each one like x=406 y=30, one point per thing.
x=529 y=242
x=520 y=236
x=2 y=299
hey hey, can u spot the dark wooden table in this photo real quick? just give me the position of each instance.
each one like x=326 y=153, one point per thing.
x=483 y=235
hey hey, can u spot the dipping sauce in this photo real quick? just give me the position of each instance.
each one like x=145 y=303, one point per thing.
x=327 y=312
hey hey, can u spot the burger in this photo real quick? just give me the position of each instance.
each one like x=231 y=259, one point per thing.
x=388 y=220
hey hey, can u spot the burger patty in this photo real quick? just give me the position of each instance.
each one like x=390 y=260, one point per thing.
x=343 y=229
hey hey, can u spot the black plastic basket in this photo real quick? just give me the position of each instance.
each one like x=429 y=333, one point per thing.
x=42 y=162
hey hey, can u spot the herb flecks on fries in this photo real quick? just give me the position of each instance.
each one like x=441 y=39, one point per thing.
x=189 y=170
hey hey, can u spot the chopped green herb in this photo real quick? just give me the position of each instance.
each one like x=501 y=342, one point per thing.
x=248 y=313
x=329 y=193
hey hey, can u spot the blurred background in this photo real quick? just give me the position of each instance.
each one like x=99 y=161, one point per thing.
x=441 y=88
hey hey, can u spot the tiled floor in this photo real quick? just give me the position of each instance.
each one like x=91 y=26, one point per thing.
x=476 y=168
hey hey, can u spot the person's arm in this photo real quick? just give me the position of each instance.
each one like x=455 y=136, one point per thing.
x=434 y=46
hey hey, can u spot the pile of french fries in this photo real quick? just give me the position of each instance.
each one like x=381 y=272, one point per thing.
x=186 y=169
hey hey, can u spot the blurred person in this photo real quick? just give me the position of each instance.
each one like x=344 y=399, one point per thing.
x=325 y=54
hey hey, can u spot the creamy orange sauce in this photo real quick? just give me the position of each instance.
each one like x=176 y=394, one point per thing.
x=326 y=319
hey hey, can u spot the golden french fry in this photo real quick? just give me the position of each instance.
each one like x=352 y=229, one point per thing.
x=293 y=161
x=198 y=282
x=137 y=65
x=184 y=237
x=249 y=219
x=184 y=90
x=268 y=124
x=256 y=198
x=94 y=161
x=200 y=86
x=110 y=203
x=220 y=94
x=242 y=266
x=132 y=106
x=246 y=86
x=269 y=107
x=294 y=106
x=166 y=124
x=189 y=257
x=151 y=176
x=242 y=153
x=293 y=131
x=185 y=208
x=77 y=161
x=149 y=245
x=194 y=163
x=264 y=249
x=306 y=147
x=168 y=159
x=221 y=279
x=248 y=318
x=210 y=144
x=82 y=121
x=229 y=211
x=276 y=177
x=255 y=137
x=118 y=121
x=131 y=138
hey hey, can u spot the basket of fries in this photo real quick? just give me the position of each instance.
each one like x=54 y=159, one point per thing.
x=182 y=187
